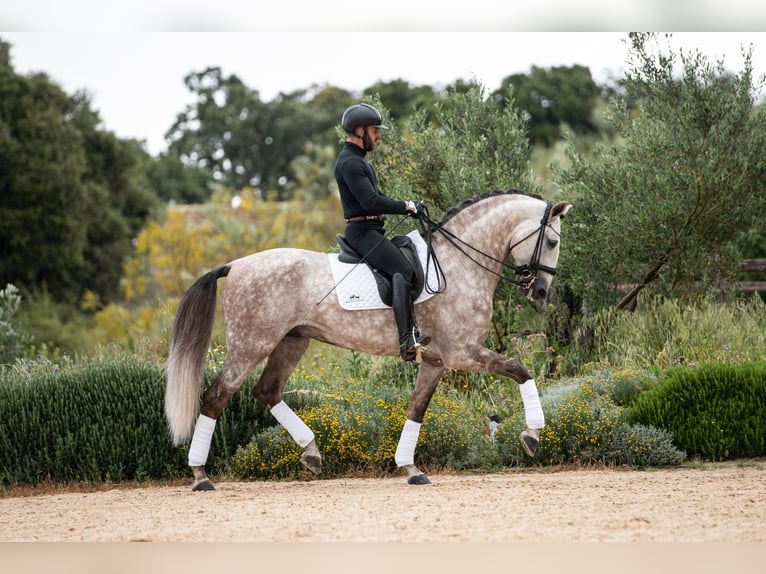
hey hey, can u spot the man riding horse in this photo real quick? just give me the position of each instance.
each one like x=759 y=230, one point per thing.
x=364 y=206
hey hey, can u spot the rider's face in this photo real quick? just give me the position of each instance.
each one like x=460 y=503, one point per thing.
x=373 y=137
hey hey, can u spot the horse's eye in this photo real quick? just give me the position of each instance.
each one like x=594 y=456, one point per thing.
x=552 y=243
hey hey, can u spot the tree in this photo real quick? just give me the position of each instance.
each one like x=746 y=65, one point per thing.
x=119 y=201
x=469 y=147
x=42 y=204
x=72 y=196
x=553 y=97
x=175 y=182
x=664 y=206
x=243 y=141
x=401 y=99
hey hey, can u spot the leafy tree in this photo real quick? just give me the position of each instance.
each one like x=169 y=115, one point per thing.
x=119 y=200
x=246 y=142
x=470 y=147
x=664 y=206
x=175 y=182
x=553 y=97
x=42 y=201
x=71 y=194
x=401 y=99
x=314 y=173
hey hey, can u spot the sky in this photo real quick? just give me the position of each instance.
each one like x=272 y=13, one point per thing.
x=133 y=68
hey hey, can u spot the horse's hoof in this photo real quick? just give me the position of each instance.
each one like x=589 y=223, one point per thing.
x=312 y=462
x=202 y=486
x=529 y=441
x=418 y=479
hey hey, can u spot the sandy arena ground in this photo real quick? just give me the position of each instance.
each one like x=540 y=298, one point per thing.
x=706 y=503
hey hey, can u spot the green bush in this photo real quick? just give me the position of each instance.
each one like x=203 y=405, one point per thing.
x=93 y=422
x=715 y=411
x=102 y=420
x=12 y=343
x=357 y=431
x=641 y=445
x=584 y=424
x=627 y=388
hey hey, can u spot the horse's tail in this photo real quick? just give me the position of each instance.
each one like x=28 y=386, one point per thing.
x=192 y=330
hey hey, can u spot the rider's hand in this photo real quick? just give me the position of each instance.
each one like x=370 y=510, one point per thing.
x=415 y=208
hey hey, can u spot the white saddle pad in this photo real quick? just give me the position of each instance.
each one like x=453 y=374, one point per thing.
x=356 y=287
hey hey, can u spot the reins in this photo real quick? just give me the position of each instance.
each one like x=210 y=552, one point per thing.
x=528 y=271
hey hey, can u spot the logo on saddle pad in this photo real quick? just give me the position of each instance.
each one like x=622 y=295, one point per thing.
x=359 y=287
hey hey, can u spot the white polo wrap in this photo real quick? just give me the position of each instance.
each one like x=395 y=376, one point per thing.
x=405 y=450
x=533 y=410
x=200 y=444
x=293 y=424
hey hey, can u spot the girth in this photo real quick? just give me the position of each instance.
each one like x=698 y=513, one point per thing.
x=406 y=246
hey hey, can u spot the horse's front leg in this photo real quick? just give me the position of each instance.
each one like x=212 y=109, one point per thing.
x=428 y=377
x=482 y=360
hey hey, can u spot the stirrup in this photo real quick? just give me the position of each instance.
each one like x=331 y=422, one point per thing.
x=410 y=349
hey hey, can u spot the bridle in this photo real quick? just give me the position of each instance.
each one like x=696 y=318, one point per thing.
x=527 y=273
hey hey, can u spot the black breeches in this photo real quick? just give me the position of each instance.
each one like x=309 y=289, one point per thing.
x=369 y=240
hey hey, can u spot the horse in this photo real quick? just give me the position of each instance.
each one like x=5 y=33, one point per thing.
x=274 y=302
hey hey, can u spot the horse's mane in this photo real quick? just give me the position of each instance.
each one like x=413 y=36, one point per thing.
x=452 y=212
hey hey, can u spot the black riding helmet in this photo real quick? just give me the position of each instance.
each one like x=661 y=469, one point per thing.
x=361 y=115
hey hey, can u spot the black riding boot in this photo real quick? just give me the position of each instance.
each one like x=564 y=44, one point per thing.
x=410 y=337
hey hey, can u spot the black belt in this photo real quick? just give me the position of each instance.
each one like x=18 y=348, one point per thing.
x=366 y=218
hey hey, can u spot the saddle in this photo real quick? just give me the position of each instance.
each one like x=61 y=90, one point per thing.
x=407 y=247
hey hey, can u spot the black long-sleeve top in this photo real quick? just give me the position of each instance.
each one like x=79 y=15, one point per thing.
x=358 y=185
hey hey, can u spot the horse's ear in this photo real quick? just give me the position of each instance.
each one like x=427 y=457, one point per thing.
x=560 y=209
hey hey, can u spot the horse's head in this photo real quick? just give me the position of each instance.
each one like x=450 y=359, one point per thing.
x=537 y=243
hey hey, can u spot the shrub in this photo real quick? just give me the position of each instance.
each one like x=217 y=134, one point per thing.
x=357 y=431
x=626 y=388
x=716 y=411
x=12 y=343
x=93 y=422
x=641 y=445
x=584 y=424
x=102 y=420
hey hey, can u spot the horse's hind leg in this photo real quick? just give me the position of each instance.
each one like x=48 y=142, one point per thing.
x=268 y=390
x=228 y=380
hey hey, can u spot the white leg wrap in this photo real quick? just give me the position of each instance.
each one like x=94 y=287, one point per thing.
x=301 y=434
x=533 y=411
x=200 y=444
x=405 y=450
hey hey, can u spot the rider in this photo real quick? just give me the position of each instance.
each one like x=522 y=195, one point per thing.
x=363 y=208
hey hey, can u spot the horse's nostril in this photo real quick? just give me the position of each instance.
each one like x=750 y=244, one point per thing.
x=541 y=293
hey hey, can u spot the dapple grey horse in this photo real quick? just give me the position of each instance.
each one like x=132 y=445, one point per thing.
x=271 y=308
